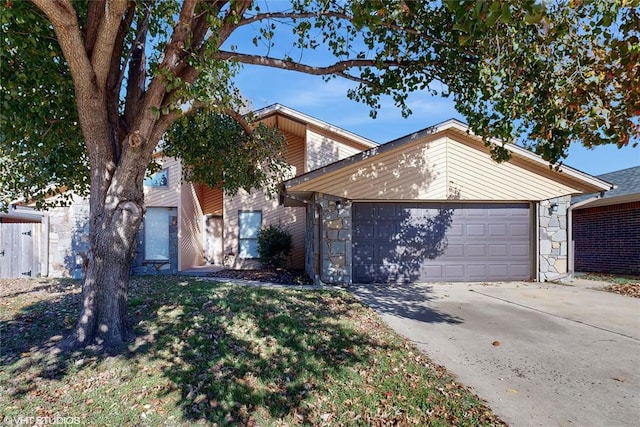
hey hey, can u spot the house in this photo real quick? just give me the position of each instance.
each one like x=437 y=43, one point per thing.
x=433 y=206
x=606 y=228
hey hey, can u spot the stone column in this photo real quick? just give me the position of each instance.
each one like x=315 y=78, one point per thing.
x=335 y=245
x=553 y=236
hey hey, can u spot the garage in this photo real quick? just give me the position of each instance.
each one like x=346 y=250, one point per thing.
x=434 y=242
x=433 y=206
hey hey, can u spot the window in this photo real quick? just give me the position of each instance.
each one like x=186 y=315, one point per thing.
x=158 y=179
x=156 y=234
x=249 y=223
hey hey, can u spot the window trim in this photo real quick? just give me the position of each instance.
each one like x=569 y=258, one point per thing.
x=250 y=239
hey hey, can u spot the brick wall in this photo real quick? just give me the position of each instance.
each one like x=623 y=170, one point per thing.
x=607 y=239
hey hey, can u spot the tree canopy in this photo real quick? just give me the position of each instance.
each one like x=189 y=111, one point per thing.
x=547 y=74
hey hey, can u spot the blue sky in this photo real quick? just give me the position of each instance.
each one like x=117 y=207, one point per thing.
x=328 y=101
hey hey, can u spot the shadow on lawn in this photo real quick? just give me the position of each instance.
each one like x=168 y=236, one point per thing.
x=232 y=352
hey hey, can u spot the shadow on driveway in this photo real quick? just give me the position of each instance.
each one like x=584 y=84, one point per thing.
x=409 y=301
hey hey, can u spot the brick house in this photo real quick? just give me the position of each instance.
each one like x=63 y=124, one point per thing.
x=606 y=229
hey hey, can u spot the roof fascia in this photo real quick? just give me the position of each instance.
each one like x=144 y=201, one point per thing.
x=449 y=125
x=301 y=117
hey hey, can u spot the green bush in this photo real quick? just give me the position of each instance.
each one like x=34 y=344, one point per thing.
x=274 y=245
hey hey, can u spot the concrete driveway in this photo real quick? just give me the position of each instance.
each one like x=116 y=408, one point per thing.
x=540 y=354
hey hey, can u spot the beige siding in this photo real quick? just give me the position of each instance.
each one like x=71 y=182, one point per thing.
x=170 y=196
x=441 y=166
x=190 y=234
x=323 y=149
x=477 y=177
x=292 y=218
x=412 y=172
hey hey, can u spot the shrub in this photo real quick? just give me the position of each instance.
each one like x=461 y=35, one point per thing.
x=274 y=245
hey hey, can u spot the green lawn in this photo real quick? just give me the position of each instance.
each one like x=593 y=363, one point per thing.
x=210 y=354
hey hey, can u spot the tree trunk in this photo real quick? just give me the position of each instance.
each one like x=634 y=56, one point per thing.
x=103 y=319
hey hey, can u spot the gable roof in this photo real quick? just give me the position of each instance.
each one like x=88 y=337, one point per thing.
x=626 y=188
x=296 y=122
x=446 y=147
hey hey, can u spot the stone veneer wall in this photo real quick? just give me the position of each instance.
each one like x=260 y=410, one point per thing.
x=335 y=240
x=553 y=238
x=69 y=239
x=140 y=266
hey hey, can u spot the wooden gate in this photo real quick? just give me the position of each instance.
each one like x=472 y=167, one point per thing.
x=19 y=250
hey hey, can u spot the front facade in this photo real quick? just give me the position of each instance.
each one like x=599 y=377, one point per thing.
x=433 y=206
x=232 y=222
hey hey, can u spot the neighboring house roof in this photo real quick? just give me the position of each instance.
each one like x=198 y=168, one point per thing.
x=626 y=189
x=454 y=157
x=300 y=119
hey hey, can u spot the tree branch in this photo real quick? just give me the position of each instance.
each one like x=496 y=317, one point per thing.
x=144 y=123
x=105 y=40
x=336 y=68
x=137 y=70
x=94 y=16
x=65 y=24
x=230 y=23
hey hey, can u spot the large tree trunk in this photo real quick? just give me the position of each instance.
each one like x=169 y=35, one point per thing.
x=103 y=316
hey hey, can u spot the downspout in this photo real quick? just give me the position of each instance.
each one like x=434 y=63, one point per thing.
x=570 y=247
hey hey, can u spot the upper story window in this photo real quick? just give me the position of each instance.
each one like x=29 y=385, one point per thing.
x=158 y=179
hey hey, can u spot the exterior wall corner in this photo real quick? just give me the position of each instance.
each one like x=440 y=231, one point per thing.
x=552 y=238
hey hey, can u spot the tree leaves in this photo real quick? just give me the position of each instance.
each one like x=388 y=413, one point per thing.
x=216 y=150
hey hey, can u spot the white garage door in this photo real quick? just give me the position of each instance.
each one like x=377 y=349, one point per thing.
x=435 y=242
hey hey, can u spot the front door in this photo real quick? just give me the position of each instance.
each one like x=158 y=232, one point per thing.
x=213 y=240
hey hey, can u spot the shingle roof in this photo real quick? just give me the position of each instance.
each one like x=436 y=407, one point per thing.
x=626 y=181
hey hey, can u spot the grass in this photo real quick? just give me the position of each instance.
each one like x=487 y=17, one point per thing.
x=213 y=354
x=611 y=278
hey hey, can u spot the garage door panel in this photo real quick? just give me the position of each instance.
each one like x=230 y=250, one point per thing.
x=519 y=230
x=476 y=250
x=519 y=270
x=498 y=250
x=498 y=230
x=385 y=211
x=456 y=230
x=476 y=272
x=476 y=230
x=455 y=250
x=435 y=242
x=363 y=231
x=362 y=252
x=498 y=271
x=519 y=250
x=385 y=229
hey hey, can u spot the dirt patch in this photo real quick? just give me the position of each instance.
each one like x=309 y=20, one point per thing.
x=273 y=275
